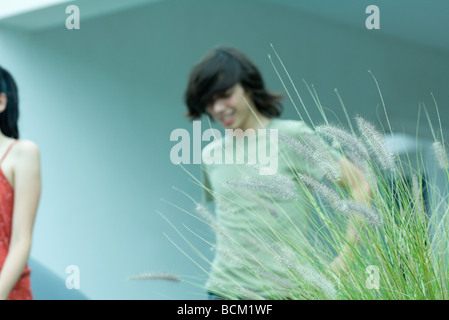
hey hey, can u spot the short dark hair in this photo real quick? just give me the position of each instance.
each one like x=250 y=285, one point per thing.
x=221 y=69
x=10 y=116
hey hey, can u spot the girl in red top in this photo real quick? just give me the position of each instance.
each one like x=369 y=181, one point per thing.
x=20 y=188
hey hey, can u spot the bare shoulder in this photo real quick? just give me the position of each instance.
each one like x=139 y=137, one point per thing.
x=26 y=151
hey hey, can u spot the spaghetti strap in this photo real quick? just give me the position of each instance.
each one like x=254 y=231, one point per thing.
x=7 y=150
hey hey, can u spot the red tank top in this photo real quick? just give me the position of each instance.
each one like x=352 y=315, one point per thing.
x=22 y=289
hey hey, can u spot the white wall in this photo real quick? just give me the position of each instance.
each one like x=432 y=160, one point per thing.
x=101 y=103
x=102 y=180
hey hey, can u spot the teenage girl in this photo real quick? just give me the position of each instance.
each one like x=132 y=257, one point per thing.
x=20 y=188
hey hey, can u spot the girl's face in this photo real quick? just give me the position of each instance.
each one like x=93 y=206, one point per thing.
x=232 y=109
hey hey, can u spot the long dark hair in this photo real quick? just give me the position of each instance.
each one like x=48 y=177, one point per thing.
x=10 y=116
x=221 y=69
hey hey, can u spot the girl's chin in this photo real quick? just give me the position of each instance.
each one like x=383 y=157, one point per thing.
x=229 y=122
x=231 y=126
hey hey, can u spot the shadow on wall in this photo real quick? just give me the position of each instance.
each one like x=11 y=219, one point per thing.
x=46 y=285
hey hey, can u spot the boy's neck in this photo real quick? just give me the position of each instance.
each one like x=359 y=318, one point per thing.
x=261 y=122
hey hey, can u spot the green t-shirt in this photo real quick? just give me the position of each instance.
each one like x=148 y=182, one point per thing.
x=260 y=219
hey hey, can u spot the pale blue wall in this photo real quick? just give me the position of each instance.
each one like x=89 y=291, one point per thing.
x=102 y=101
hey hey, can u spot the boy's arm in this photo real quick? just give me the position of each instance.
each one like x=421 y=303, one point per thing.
x=356 y=183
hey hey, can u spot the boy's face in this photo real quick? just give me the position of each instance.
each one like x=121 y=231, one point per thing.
x=231 y=109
